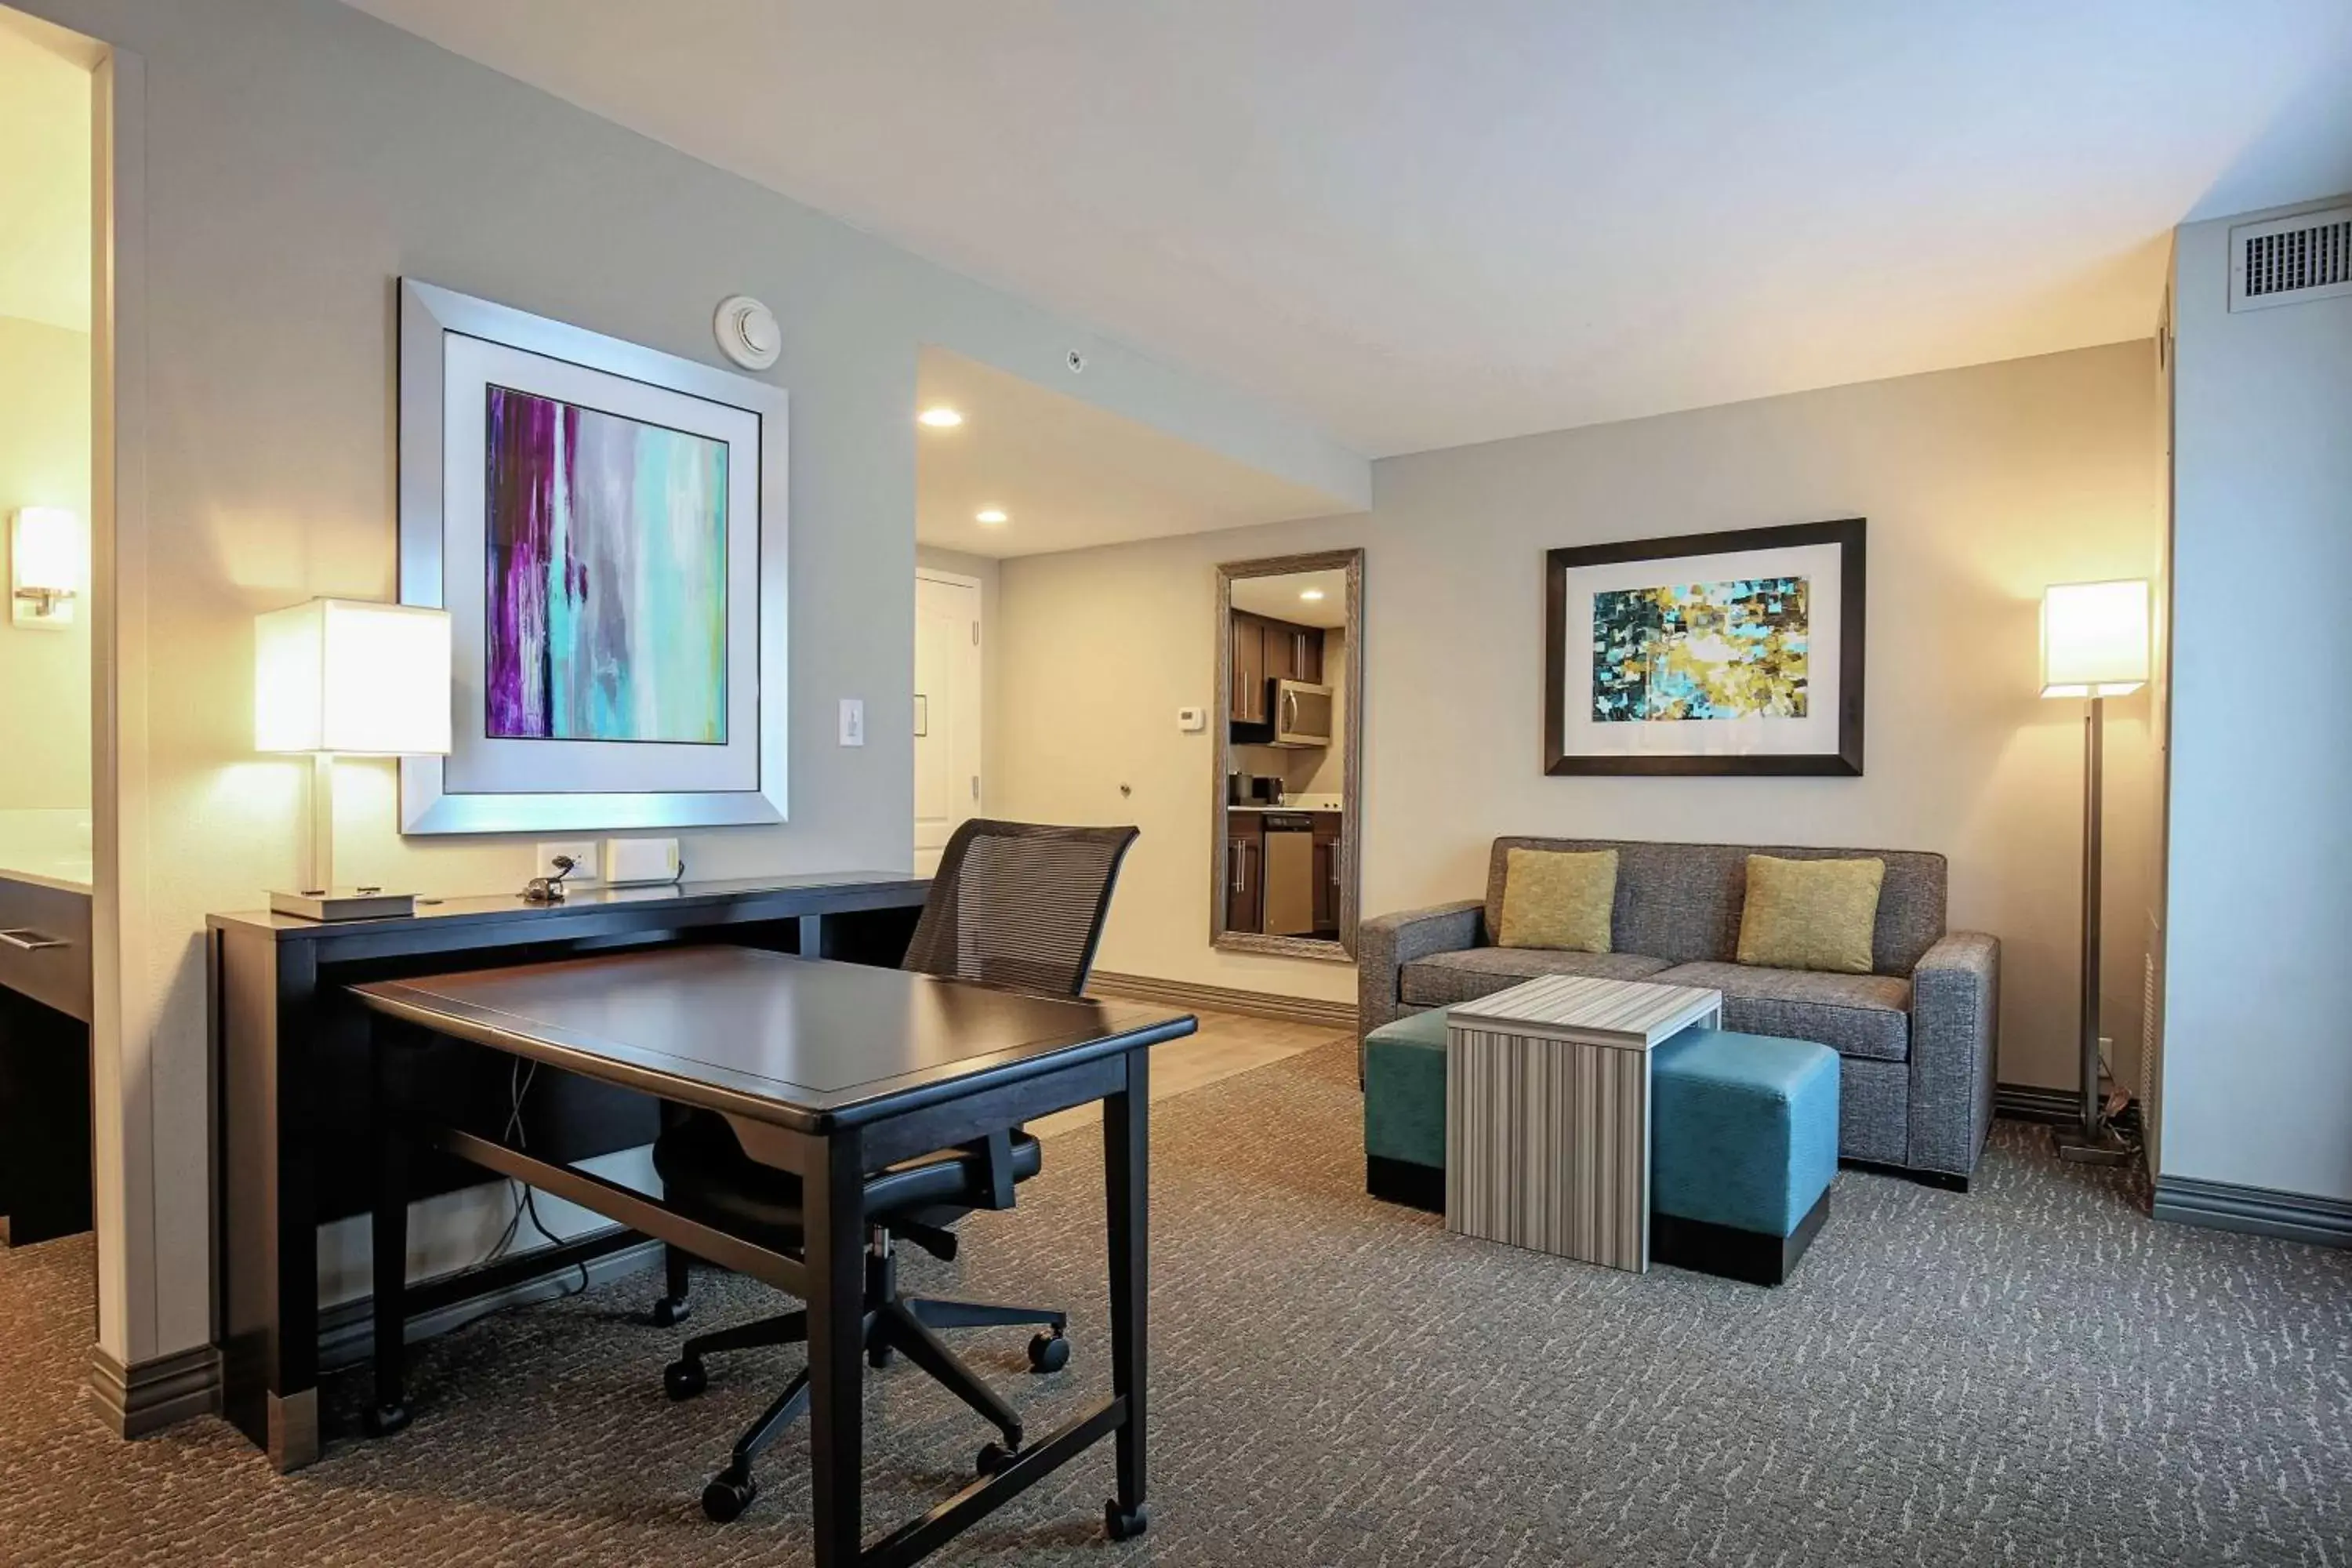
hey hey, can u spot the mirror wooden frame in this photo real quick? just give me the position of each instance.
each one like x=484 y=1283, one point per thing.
x=1342 y=951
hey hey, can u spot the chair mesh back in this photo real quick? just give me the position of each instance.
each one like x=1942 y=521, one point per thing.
x=1020 y=904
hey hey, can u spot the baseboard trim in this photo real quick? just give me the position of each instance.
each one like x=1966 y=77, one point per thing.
x=148 y=1396
x=1255 y=1004
x=2255 y=1210
x=347 y=1329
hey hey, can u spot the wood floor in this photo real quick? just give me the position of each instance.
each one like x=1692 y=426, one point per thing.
x=1227 y=1042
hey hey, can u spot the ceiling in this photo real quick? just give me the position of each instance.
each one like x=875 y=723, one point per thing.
x=1279 y=598
x=1427 y=224
x=1067 y=474
x=45 y=155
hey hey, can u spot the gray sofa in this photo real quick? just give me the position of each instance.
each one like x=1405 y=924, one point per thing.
x=1915 y=1038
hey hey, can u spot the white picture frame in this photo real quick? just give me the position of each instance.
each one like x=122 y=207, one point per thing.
x=451 y=346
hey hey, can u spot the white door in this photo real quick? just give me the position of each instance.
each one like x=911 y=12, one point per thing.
x=947 y=711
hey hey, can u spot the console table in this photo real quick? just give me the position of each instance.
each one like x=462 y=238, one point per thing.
x=291 y=1086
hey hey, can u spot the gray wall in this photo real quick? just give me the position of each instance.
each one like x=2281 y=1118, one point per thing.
x=301 y=157
x=1982 y=486
x=2257 y=1050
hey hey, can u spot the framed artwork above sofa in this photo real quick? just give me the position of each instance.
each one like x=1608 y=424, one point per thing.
x=1739 y=652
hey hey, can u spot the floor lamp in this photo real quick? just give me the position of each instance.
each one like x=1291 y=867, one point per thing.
x=2094 y=646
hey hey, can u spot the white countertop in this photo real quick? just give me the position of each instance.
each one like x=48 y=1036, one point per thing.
x=1301 y=810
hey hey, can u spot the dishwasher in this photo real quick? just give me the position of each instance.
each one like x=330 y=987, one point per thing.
x=1289 y=875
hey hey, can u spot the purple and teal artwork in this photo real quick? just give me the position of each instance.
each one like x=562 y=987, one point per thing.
x=1701 y=650
x=607 y=545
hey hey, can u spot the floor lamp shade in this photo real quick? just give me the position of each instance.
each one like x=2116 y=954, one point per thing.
x=348 y=678
x=2094 y=639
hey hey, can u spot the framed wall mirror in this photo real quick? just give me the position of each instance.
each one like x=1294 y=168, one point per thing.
x=1284 y=857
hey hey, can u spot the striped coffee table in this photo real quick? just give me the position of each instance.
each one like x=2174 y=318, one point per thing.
x=1548 y=1112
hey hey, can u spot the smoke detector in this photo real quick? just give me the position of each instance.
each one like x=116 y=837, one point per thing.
x=747 y=332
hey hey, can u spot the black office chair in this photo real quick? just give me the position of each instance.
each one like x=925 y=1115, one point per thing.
x=1014 y=904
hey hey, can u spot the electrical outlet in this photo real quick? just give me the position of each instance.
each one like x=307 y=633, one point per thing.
x=583 y=862
x=2107 y=1055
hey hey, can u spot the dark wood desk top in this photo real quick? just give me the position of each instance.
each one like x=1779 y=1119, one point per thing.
x=506 y=907
x=802 y=1043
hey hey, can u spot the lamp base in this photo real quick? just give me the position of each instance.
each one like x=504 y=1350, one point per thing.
x=2105 y=1147
x=343 y=904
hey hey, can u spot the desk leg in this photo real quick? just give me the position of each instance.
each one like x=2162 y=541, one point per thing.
x=1126 y=1182
x=389 y=1225
x=832 y=1198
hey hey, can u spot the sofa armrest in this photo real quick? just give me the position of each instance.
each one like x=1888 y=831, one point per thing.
x=1955 y=1041
x=1386 y=944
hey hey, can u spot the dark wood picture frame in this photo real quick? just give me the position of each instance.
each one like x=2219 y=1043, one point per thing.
x=1850 y=534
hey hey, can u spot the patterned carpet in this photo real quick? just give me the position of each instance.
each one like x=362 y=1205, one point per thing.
x=2032 y=1373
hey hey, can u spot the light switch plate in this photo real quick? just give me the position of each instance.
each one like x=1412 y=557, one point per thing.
x=586 y=867
x=853 y=721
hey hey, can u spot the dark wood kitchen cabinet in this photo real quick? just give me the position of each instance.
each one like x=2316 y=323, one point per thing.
x=1328 y=861
x=1244 y=871
x=1246 y=701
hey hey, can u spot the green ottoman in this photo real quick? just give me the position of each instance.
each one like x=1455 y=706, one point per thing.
x=1743 y=1145
x=1404 y=1111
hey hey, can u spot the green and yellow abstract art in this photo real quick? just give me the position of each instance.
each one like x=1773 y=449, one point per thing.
x=1700 y=650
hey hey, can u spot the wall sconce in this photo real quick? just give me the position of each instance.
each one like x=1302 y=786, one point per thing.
x=44 y=567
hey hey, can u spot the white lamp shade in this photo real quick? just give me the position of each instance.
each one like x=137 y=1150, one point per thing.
x=46 y=557
x=2095 y=638
x=351 y=678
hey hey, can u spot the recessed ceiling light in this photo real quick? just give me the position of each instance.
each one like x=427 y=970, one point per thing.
x=940 y=418
x=1310 y=593
x=994 y=515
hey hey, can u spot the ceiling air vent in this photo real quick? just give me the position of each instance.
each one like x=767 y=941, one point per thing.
x=2291 y=260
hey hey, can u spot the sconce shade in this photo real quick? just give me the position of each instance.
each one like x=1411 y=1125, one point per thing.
x=47 y=555
x=2095 y=638
x=343 y=678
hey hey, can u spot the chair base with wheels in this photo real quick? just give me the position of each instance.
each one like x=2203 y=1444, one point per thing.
x=894 y=1324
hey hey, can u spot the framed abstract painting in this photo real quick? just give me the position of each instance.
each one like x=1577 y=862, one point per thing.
x=1711 y=653
x=605 y=525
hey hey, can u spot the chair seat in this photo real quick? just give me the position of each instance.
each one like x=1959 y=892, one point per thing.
x=1866 y=1016
x=704 y=1173
x=1443 y=979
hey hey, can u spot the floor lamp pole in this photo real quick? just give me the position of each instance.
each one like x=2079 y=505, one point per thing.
x=2092 y=1142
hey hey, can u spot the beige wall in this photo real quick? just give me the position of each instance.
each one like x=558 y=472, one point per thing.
x=298 y=158
x=1981 y=486
x=44 y=461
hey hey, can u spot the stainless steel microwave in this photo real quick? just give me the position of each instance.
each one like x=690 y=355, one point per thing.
x=1302 y=714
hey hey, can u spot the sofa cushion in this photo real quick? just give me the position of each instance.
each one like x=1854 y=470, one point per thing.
x=1853 y=1015
x=1445 y=978
x=1682 y=901
x=1559 y=900
x=1810 y=914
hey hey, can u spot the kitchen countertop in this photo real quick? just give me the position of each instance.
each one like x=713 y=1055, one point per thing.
x=1300 y=810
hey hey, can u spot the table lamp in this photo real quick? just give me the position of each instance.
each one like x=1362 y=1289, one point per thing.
x=339 y=677
x=2095 y=645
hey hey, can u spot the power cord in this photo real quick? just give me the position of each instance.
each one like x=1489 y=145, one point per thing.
x=520 y=1076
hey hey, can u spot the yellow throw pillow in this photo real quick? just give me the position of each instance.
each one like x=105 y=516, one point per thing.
x=1810 y=914
x=1559 y=898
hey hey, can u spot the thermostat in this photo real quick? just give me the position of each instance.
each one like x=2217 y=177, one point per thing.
x=1191 y=721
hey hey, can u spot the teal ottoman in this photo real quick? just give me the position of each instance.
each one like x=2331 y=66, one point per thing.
x=1743 y=1145
x=1404 y=1111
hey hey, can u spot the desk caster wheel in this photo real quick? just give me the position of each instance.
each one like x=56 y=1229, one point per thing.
x=1126 y=1524
x=1048 y=1353
x=995 y=1459
x=878 y=1356
x=384 y=1420
x=685 y=1379
x=671 y=1311
x=727 y=1496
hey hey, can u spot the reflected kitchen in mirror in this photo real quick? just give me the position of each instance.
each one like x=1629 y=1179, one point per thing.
x=1290 y=662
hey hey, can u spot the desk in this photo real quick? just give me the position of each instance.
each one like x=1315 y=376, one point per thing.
x=832 y=1070
x=290 y=1081
x=45 y=1068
